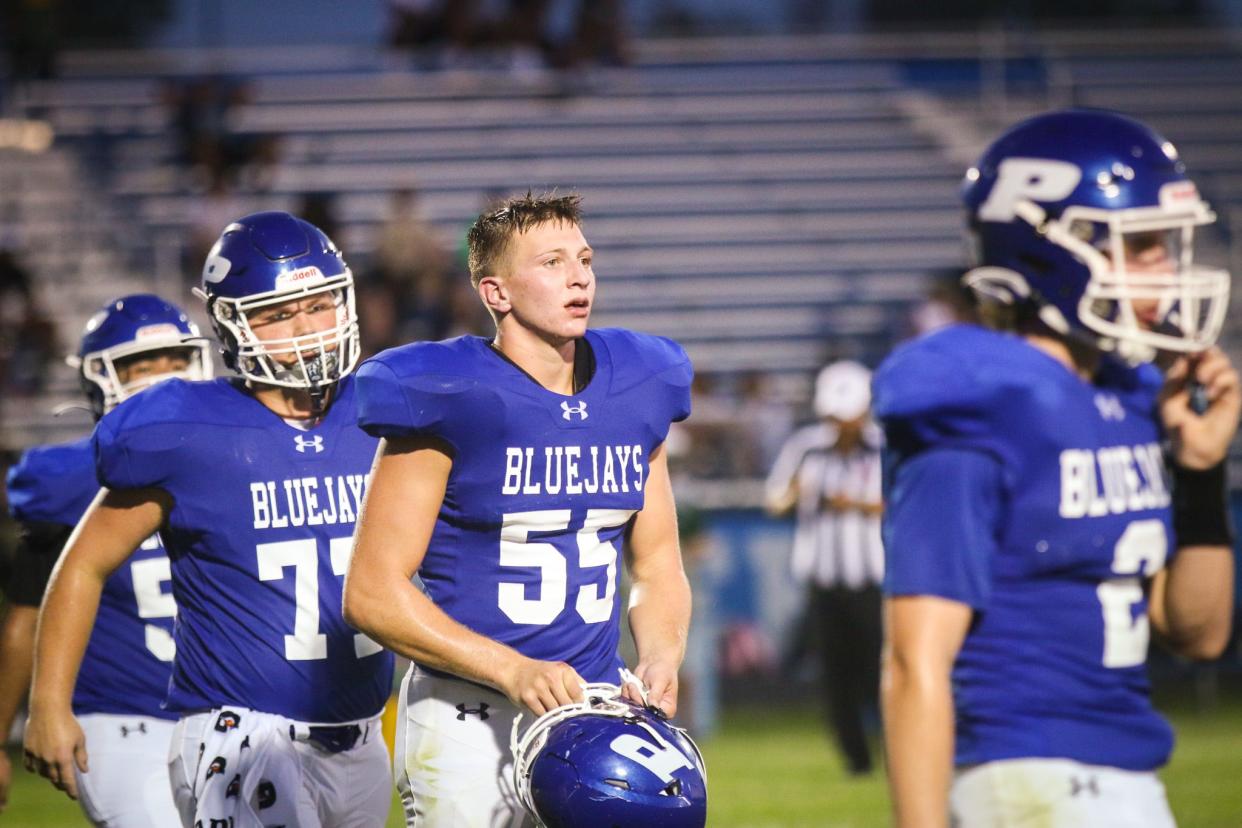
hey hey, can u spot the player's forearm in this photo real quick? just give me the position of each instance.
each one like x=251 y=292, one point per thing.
x=918 y=736
x=659 y=615
x=1195 y=609
x=396 y=614
x=64 y=628
x=17 y=656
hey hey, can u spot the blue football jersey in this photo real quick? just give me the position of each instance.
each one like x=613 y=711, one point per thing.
x=528 y=543
x=1076 y=496
x=259 y=538
x=129 y=656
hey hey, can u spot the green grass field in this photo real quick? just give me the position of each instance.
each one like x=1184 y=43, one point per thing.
x=772 y=768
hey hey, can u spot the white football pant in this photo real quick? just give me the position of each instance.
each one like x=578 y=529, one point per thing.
x=1057 y=793
x=127 y=786
x=453 y=766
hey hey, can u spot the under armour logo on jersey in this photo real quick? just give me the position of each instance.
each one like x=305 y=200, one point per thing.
x=480 y=711
x=1110 y=407
x=315 y=443
x=126 y=730
x=579 y=409
x=1088 y=785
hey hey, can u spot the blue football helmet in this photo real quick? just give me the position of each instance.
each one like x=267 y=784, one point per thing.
x=1089 y=215
x=267 y=259
x=130 y=328
x=609 y=763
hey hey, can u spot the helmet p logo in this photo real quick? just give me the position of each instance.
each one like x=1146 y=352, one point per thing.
x=216 y=268
x=1033 y=179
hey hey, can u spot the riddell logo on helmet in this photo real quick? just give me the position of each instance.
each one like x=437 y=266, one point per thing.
x=162 y=330
x=1177 y=193
x=302 y=274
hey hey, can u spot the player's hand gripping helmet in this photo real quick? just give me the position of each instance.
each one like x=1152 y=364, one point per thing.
x=132 y=327
x=267 y=259
x=609 y=763
x=1089 y=215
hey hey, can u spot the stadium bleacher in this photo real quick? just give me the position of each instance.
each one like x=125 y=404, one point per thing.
x=760 y=199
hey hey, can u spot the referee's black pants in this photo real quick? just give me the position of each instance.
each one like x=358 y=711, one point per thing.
x=849 y=628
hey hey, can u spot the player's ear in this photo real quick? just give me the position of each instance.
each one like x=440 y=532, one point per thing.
x=495 y=295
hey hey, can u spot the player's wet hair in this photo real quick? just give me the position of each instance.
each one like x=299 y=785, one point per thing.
x=490 y=234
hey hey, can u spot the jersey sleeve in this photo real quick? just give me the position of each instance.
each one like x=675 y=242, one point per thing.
x=135 y=454
x=935 y=392
x=676 y=374
x=383 y=408
x=941 y=525
x=417 y=396
x=657 y=368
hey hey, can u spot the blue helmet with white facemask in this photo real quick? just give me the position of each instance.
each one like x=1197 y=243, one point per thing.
x=1061 y=203
x=134 y=327
x=268 y=259
x=608 y=763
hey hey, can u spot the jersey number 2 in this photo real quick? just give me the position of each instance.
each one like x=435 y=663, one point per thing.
x=1126 y=635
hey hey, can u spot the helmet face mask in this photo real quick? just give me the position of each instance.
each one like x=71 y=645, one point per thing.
x=607 y=762
x=300 y=361
x=139 y=326
x=1089 y=215
x=266 y=260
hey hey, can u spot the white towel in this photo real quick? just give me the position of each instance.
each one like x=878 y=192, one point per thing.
x=249 y=773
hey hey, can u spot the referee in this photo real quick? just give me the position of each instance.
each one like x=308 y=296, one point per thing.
x=828 y=473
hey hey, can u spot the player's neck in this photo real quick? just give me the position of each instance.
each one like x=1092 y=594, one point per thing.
x=551 y=364
x=1078 y=360
x=286 y=403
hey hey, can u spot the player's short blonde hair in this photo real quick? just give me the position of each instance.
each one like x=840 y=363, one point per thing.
x=489 y=236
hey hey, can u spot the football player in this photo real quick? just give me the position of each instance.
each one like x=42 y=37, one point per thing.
x=128 y=345
x=254 y=483
x=1053 y=496
x=513 y=473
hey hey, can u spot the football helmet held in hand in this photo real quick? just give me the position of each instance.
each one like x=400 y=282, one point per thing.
x=609 y=763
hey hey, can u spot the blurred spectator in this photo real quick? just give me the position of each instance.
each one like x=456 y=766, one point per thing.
x=598 y=36
x=828 y=473
x=699 y=678
x=202 y=113
x=713 y=430
x=31 y=32
x=320 y=210
x=412 y=265
x=522 y=35
x=765 y=421
x=207 y=218
x=28 y=340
